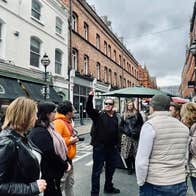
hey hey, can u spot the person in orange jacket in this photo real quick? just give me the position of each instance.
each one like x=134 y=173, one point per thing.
x=63 y=125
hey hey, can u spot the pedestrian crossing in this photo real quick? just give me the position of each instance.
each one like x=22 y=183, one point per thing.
x=84 y=150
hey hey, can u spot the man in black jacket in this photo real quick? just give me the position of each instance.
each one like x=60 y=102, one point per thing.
x=105 y=140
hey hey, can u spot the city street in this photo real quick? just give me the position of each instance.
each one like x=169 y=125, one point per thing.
x=83 y=165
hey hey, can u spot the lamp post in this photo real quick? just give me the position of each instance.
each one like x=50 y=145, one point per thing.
x=45 y=61
x=193 y=51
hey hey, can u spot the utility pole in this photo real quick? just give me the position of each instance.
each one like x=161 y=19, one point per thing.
x=70 y=49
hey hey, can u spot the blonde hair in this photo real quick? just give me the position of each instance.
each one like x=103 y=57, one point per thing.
x=20 y=113
x=188 y=113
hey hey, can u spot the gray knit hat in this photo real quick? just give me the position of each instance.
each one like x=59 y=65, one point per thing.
x=160 y=102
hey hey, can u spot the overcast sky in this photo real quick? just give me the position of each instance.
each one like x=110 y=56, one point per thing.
x=155 y=31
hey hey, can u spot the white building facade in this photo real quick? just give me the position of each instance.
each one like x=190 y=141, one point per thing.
x=28 y=30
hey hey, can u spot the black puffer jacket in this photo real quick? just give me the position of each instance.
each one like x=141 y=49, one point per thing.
x=19 y=168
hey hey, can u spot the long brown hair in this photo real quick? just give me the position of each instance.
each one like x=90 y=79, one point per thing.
x=20 y=114
x=127 y=112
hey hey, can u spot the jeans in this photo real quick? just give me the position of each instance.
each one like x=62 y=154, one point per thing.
x=193 y=181
x=169 y=190
x=103 y=154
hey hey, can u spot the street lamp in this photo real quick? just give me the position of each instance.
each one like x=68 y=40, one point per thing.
x=45 y=61
x=193 y=51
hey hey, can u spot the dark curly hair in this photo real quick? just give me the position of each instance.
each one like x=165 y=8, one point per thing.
x=65 y=107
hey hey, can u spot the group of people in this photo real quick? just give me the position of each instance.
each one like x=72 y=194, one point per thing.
x=162 y=149
x=38 y=143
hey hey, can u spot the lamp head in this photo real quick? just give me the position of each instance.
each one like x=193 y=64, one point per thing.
x=45 y=61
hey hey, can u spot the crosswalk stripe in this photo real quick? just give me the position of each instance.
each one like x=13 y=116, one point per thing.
x=81 y=157
x=89 y=163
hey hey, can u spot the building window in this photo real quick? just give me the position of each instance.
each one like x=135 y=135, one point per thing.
x=36 y=9
x=35 y=51
x=115 y=55
x=115 y=78
x=98 y=70
x=120 y=59
x=74 y=21
x=59 y=25
x=58 y=61
x=109 y=51
x=105 y=47
x=86 y=31
x=121 y=82
x=124 y=64
x=97 y=41
x=86 y=64
x=105 y=74
x=75 y=59
x=125 y=82
x=110 y=76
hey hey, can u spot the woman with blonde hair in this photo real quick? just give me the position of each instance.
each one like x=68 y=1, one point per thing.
x=132 y=123
x=19 y=158
x=188 y=117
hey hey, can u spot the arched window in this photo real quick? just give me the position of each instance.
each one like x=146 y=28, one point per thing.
x=75 y=59
x=115 y=55
x=110 y=76
x=86 y=64
x=98 y=71
x=35 y=44
x=36 y=9
x=98 y=41
x=59 y=25
x=115 y=79
x=74 y=21
x=105 y=74
x=86 y=31
x=105 y=47
x=58 y=61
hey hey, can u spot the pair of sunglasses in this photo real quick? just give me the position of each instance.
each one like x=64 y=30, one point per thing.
x=108 y=103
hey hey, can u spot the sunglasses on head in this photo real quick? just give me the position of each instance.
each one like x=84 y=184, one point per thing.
x=108 y=103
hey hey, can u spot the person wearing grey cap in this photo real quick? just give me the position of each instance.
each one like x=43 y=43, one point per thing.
x=161 y=155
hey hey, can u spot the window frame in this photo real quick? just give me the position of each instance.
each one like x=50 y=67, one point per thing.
x=59 y=25
x=58 y=63
x=34 y=53
x=86 y=64
x=86 y=31
x=75 y=58
x=105 y=47
x=98 y=66
x=97 y=41
x=34 y=12
x=74 y=21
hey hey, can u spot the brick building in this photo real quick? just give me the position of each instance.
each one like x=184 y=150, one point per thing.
x=100 y=61
x=188 y=69
x=145 y=79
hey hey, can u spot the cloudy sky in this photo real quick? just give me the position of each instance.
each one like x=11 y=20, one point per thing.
x=155 y=31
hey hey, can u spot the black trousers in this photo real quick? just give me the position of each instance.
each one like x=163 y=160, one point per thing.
x=101 y=154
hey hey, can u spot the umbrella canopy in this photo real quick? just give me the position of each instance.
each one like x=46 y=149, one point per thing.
x=179 y=100
x=134 y=92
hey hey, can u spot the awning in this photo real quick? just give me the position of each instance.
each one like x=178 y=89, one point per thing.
x=10 y=88
x=36 y=92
